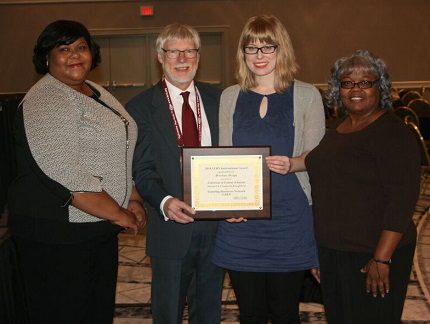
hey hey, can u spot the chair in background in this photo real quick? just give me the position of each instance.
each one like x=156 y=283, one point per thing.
x=423 y=203
x=397 y=103
x=403 y=91
x=420 y=106
x=425 y=164
x=422 y=109
x=425 y=158
x=408 y=119
x=407 y=113
x=395 y=97
x=409 y=96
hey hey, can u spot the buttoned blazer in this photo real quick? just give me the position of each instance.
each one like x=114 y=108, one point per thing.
x=157 y=169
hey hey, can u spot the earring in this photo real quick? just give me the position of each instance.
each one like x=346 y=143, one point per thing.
x=47 y=61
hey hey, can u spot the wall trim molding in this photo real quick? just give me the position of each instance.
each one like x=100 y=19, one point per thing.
x=324 y=86
x=152 y=30
x=22 y=2
x=394 y=84
x=26 y=2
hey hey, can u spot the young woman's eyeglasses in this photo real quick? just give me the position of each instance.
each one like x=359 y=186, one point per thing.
x=174 y=53
x=266 y=49
x=365 y=84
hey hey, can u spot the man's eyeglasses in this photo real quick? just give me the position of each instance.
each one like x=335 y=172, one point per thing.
x=174 y=53
x=266 y=49
x=365 y=84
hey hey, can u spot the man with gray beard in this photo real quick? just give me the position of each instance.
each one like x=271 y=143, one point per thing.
x=174 y=113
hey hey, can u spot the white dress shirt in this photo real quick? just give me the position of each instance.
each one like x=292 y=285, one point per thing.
x=177 y=101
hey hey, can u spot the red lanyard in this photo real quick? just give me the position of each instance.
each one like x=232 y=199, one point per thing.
x=179 y=136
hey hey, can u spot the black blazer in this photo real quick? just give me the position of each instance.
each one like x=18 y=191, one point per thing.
x=156 y=165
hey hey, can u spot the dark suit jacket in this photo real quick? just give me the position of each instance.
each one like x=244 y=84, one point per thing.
x=156 y=166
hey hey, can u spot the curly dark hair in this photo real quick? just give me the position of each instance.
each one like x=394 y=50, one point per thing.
x=360 y=59
x=62 y=32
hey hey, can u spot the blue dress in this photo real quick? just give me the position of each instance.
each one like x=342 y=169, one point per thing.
x=286 y=242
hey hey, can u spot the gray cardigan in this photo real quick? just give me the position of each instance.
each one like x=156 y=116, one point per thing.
x=309 y=122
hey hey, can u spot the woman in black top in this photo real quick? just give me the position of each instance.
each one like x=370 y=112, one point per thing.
x=365 y=177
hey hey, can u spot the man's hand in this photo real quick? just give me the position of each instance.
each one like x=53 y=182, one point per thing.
x=174 y=210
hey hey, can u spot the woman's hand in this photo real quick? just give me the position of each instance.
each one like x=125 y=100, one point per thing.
x=279 y=163
x=378 y=274
x=127 y=220
x=315 y=272
x=378 y=278
x=236 y=220
x=283 y=164
x=137 y=208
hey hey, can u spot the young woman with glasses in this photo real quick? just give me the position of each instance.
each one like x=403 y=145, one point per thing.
x=267 y=259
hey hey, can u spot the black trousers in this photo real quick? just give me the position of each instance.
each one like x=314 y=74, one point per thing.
x=264 y=296
x=69 y=283
x=344 y=287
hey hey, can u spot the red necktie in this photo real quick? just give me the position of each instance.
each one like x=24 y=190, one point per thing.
x=190 y=134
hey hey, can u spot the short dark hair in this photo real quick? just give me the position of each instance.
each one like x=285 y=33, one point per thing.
x=62 y=32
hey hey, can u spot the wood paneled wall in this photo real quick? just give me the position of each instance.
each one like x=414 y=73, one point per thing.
x=321 y=30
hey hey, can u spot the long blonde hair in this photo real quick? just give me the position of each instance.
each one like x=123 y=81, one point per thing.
x=267 y=29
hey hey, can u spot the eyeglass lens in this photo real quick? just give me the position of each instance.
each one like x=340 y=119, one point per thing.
x=188 y=53
x=268 y=49
x=364 y=84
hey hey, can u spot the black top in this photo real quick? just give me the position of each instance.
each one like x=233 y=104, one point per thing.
x=365 y=182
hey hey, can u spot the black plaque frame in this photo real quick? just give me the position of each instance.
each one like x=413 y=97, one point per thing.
x=264 y=151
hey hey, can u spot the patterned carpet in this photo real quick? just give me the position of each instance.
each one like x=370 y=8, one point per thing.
x=134 y=279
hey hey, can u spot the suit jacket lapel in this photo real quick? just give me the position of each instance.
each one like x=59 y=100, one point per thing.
x=163 y=121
